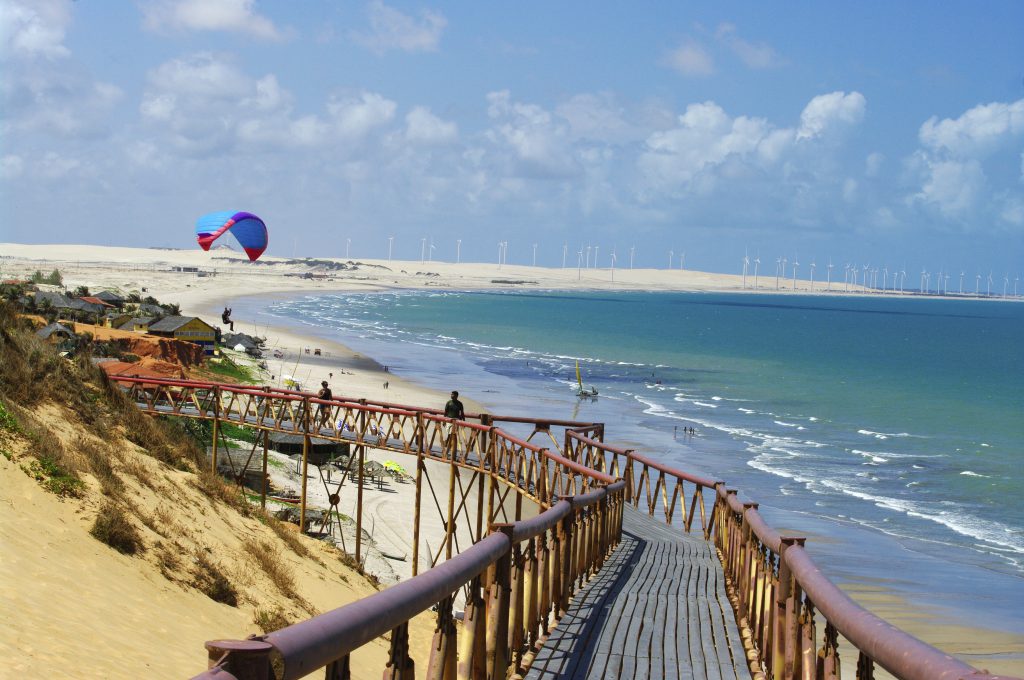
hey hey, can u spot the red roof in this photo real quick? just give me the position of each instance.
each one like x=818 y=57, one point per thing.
x=95 y=301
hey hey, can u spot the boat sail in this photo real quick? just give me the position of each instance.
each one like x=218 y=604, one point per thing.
x=581 y=391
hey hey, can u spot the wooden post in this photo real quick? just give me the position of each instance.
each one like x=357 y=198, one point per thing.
x=449 y=528
x=419 y=490
x=305 y=463
x=361 y=434
x=471 y=657
x=442 y=649
x=498 y=601
x=216 y=429
x=263 y=492
x=400 y=665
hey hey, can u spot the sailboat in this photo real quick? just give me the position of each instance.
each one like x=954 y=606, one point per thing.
x=581 y=391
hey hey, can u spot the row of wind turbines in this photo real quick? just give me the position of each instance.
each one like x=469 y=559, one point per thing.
x=869 y=280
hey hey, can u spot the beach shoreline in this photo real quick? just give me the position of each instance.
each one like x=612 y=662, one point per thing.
x=358 y=375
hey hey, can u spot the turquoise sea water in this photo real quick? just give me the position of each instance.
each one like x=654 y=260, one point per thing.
x=888 y=430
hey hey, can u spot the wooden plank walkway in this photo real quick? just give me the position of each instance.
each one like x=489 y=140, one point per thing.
x=658 y=609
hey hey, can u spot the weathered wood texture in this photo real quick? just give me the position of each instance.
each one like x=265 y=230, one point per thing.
x=657 y=610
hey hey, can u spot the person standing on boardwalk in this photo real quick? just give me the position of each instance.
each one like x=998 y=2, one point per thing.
x=453 y=409
x=324 y=411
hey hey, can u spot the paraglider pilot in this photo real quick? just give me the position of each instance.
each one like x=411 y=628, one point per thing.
x=226 y=318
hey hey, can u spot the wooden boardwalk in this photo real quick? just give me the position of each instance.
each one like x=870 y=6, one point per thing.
x=658 y=609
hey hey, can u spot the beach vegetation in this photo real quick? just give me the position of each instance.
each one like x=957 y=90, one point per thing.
x=80 y=291
x=270 y=561
x=229 y=494
x=54 y=278
x=228 y=368
x=209 y=579
x=113 y=528
x=270 y=620
x=8 y=421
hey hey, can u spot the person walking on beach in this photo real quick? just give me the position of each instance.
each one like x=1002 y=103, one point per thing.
x=323 y=410
x=226 y=318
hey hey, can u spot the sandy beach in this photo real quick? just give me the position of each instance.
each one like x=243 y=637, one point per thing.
x=223 y=277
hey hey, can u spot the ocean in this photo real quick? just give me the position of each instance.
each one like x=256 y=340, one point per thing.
x=887 y=430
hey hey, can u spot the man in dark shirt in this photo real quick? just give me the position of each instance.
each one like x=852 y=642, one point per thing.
x=324 y=411
x=454 y=409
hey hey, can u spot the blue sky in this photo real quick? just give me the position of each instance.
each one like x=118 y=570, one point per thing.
x=869 y=132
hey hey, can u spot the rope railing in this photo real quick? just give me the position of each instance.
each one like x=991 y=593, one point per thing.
x=519 y=578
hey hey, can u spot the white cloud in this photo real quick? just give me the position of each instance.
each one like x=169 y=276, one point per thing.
x=979 y=132
x=828 y=111
x=35 y=29
x=11 y=166
x=599 y=117
x=390 y=29
x=235 y=16
x=690 y=59
x=951 y=187
x=754 y=55
x=538 y=140
x=354 y=116
x=873 y=164
x=422 y=126
x=1012 y=211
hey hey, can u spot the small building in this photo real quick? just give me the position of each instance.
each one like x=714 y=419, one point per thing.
x=111 y=298
x=93 y=305
x=116 y=319
x=187 y=328
x=320 y=450
x=58 y=335
x=149 y=309
x=138 y=324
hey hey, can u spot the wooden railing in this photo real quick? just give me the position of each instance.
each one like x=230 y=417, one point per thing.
x=780 y=597
x=520 y=576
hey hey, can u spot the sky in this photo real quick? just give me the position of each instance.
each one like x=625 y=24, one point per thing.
x=878 y=133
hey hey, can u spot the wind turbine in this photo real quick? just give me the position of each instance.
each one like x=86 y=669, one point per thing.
x=903 y=278
x=757 y=263
x=458 y=250
x=1015 y=280
x=565 y=250
x=682 y=260
x=989 y=293
x=962 y=272
x=746 y=261
x=579 y=264
x=830 y=265
x=1006 y=282
x=613 y=266
x=864 y=276
x=391 y=241
x=784 y=261
x=430 y=251
x=977 y=284
x=671 y=256
x=885 y=278
x=813 y=266
x=348 y=244
x=499 y=254
x=534 y=254
x=588 y=256
x=631 y=249
x=945 y=284
x=423 y=250
x=596 y=265
x=846 y=277
x=796 y=265
x=778 y=263
x=923 y=274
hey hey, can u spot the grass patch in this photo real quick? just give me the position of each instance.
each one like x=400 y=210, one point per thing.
x=99 y=464
x=112 y=527
x=212 y=582
x=229 y=494
x=54 y=478
x=272 y=620
x=289 y=537
x=7 y=420
x=268 y=558
x=227 y=368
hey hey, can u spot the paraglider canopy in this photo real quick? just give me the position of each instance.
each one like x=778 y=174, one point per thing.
x=248 y=230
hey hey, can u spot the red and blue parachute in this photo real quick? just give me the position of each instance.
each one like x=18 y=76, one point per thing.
x=249 y=230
